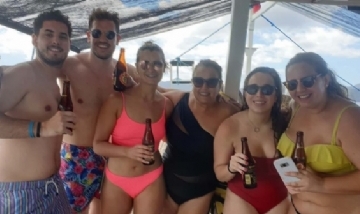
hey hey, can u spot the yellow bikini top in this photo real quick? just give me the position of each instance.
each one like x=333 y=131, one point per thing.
x=323 y=158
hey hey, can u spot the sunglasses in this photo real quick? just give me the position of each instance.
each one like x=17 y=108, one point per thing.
x=145 y=64
x=307 y=82
x=266 y=90
x=210 y=83
x=96 y=33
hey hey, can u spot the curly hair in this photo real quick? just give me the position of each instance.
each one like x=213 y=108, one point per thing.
x=102 y=14
x=53 y=15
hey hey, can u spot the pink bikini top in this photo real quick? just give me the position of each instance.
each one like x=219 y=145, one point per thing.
x=129 y=133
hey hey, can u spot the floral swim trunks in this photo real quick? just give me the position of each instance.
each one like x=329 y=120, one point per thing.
x=82 y=173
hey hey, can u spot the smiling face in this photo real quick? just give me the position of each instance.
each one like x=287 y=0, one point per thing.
x=150 y=67
x=260 y=93
x=103 y=38
x=52 y=43
x=206 y=84
x=305 y=85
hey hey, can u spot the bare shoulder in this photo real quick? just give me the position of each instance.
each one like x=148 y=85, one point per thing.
x=174 y=96
x=20 y=72
x=169 y=106
x=73 y=60
x=351 y=116
x=71 y=64
x=115 y=98
x=230 y=126
x=229 y=108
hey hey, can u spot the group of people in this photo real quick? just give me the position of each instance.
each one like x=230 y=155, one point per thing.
x=92 y=160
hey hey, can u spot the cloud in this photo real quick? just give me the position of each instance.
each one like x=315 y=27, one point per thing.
x=14 y=42
x=273 y=48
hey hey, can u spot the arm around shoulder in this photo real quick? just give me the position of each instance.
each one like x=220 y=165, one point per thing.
x=174 y=96
x=223 y=150
x=105 y=124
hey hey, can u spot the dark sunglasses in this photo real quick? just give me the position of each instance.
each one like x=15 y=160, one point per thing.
x=210 y=83
x=96 y=33
x=266 y=90
x=307 y=82
x=145 y=64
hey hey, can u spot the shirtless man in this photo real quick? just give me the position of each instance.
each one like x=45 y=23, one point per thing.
x=91 y=80
x=31 y=128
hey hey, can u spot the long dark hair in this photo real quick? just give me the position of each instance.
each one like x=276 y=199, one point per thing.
x=278 y=118
x=321 y=67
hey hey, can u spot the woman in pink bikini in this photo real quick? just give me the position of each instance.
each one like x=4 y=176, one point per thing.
x=128 y=183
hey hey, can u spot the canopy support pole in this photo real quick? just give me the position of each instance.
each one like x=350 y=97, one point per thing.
x=235 y=59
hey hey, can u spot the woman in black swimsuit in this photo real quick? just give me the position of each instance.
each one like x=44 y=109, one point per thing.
x=188 y=160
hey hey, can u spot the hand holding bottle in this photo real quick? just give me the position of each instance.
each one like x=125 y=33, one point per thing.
x=238 y=163
x=140 y=153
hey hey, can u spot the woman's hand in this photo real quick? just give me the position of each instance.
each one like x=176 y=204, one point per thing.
x=140 y=153
x=309 y=181
x=238 y=163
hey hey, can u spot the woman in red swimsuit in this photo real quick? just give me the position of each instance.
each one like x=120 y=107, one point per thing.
x=128 y=183
x=262 y=122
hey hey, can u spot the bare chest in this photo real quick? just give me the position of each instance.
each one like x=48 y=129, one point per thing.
x=89 y=92
x=39 y=104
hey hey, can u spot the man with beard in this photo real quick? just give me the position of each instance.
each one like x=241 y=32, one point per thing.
x=31 y=127
x=90 y=75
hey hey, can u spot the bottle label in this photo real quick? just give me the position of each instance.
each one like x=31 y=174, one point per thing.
x=249 y=176
x=124 y=78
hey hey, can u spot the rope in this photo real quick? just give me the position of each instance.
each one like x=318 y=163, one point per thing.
x=273 y=25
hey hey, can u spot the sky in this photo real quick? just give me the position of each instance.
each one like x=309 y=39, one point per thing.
x=340 y=50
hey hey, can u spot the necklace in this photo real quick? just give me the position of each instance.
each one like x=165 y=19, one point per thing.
x=256 y=128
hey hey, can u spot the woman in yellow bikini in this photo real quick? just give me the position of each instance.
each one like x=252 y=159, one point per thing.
x=330 y=183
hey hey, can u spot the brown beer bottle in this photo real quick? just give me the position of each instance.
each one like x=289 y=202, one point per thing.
x=121 y=77
x=249 y=176
x=149 y=140
x=298 y=155
x=65 y=100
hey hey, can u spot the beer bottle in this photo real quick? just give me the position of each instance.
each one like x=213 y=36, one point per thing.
x=65 y=100
x=249 y=176
x=121 y=77
x=149 y=140
x=298 y=155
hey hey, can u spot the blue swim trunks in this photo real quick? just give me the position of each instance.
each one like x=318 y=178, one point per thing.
x=42 y=196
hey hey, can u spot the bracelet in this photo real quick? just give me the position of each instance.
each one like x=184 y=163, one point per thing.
x=230 y=170
x=38 y=128
x=31 y=129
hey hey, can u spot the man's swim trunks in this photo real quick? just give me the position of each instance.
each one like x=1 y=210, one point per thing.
x=42 y=196
x=82 y=173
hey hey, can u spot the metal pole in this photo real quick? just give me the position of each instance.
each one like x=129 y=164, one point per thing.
x=250 y=50
x=33 y=53
x=171 y=75
x=239 y=21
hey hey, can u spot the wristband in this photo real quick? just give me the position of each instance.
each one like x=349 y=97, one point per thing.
x=38 y=128
x=230 y=170
x=31 y=129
